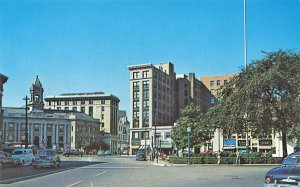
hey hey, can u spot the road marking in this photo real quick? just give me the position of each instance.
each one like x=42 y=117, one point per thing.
x=112 y=168
x=101 y=173
x=74 y=184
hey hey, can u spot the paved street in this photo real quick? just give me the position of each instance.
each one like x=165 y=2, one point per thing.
x=125 y=171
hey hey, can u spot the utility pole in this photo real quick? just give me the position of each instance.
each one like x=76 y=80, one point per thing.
x=155 y=121
x=26 y=121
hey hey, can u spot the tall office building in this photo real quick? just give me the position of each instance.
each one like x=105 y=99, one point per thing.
x=156 y=97
x=97 y=105
x=152 y=100
x=214 y=84
x=191 y=90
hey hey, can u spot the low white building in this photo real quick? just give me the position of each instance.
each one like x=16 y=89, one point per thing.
x=48 y=128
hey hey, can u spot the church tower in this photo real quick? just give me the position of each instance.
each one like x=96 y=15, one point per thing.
x=36 y=95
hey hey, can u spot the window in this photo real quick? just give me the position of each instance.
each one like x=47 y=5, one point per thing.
x=136 y=104
x=36 y=128
x=136 y=95
x=90 y=102
x=82 y=109
x=49 y=103
x=58 y=108
x=154 y=74
x=83 y=102
x=61 y=128
x=74 y=108
x=212 y=83
x=136 y=75
x=58 y=102
x=145 y=84
x=145 y=74
x=91 y=111
x=225 y=82
x=66 y=108
x=145 y=114
x=212 y=100
x=145 y=93
x=49 y=128
x=135 y=123
x=136 y=114
x=102 y=109
x=74 y=102
x=145 y=103
x=145 y=135
x=66 y=102
x=102 y=101
x=212 y=92
x=102 y=116
x=218 y=82
x=135 y=135
x=135 y=85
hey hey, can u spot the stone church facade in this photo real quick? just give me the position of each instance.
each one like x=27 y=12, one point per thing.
x=46 y=127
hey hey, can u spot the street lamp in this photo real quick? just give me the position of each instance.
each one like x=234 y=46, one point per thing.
x=189 y=131
x=26 y=121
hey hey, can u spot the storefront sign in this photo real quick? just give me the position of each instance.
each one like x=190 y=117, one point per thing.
x=265 y=142
x=243 y=142
x=229 y=144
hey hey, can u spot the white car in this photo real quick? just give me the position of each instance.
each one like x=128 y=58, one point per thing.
x=23 y=156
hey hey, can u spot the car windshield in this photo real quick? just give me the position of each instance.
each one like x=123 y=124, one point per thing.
x=17 y=152
x=291 y=160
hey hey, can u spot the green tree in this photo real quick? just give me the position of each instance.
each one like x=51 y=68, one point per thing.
x=190 y=117
x=263 y=98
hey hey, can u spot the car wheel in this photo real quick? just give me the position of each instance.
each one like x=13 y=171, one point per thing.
x=34 y=167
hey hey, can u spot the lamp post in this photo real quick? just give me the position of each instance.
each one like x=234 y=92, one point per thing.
x=26 y=121
x=189 y=131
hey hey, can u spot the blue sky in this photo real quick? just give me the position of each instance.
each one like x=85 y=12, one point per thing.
x=87 y=46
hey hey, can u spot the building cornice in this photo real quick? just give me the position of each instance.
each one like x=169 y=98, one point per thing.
x=141 y=66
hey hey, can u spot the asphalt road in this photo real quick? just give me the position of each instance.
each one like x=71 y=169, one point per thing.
x=125 y=171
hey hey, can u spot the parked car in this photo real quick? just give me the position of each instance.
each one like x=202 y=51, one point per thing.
x=125 y=152
x=288 y=174
x=108 y=152
x=101 y=153
x=6 y=159
x=46 y=158
x=76 y=152
x=23 y=156
x=93 y=151
x=141 y=155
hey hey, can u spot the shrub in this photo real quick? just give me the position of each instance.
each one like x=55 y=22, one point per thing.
x=224 y=154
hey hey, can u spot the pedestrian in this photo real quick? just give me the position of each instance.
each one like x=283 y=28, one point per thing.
x=219 y=158
x=237 y=160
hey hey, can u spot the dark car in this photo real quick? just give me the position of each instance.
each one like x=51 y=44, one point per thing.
x=140 y=156
x=46 y=158
x=6 y=159
x=288 y=174
x=76 y=152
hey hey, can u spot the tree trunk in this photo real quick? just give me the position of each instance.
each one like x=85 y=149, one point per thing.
x=284 y=144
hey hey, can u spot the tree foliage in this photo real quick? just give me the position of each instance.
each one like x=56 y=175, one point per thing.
x=190 y=117
x=263 y=97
